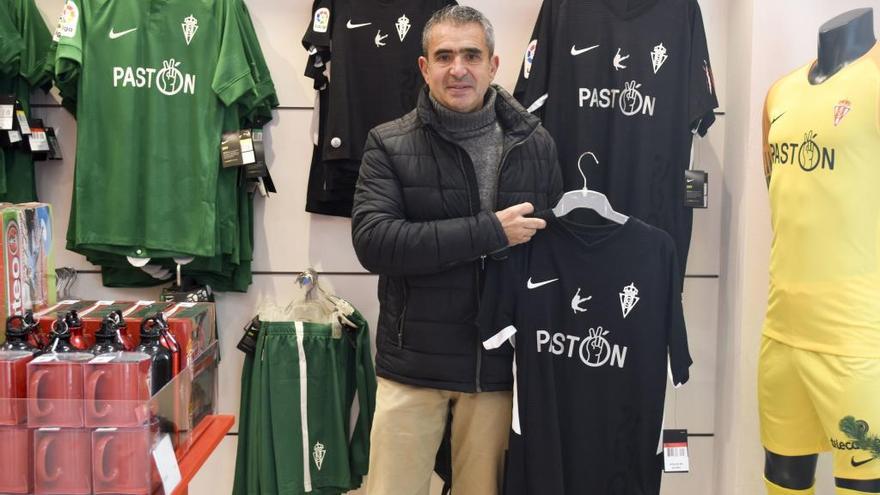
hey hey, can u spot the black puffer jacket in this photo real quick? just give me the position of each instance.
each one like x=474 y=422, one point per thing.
x=417 y=222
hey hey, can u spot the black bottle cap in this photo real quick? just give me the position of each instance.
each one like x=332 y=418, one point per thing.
x=72 y=319
x=152 y=327
x=110 y=325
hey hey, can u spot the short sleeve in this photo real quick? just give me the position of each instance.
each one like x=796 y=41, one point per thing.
x=702 y=100
x=11 y=45
x=318 y=32
x=68 y=53
x=36 y=42
x=316 y=41
x=532 y=86
x=232 y=77
x=676 y=331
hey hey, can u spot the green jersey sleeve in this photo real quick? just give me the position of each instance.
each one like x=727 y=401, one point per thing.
x=68 y=50
x=232 y=78
x=11 y=45
x=36 y=42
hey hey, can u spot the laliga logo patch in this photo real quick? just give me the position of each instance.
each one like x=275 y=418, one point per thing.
x=841 y=110
x=190 y=26
x=529 y=58
x=322 y=20
x=67 y=21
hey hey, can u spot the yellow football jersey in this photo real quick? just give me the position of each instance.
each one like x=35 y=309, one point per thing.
x=822 y=162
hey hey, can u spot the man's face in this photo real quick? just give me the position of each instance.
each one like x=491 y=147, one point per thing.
x=458 y=68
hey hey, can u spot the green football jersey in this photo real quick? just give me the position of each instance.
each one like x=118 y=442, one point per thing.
x=24 y=47
x=152 y=79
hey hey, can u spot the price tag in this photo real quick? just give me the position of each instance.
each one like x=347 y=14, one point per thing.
x=675 y=451
x=696 y=189
x=38 y=140
x=7 y=111
x=23 y=122
x=166 y=464
x=14 y=137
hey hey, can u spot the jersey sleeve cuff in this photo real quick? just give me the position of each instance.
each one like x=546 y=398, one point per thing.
x=69 y=52
x=235 y=89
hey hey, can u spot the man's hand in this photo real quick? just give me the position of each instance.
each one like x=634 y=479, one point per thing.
x=517 y=227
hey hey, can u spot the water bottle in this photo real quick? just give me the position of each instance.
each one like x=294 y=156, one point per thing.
x=60 y=337
x=18 y=332
x=77 y=330
x=152 y=329
x=107 y=337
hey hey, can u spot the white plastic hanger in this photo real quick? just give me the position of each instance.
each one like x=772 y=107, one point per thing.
x=585 y=198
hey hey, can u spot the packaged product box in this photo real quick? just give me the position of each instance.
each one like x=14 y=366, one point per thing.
x=193 y=325
x=28 y=266
x=37 y=255
x=92 y=313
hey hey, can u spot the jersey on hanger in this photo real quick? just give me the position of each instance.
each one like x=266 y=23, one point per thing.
x=24 y=48
x=375 y=76
x=630 y=82
x=593 y=313
x=821 y=161
x=152 y=81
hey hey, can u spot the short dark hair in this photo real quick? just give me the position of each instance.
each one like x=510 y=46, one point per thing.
x=458 y=15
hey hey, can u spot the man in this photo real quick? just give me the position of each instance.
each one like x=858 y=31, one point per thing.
x=440 y=189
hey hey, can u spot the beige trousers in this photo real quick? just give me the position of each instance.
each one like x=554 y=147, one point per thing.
x=407 y=430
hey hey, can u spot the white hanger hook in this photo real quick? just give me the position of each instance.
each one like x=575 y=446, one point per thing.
x=581 y=170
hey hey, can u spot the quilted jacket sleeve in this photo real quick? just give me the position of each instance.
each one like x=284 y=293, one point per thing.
x=389 y=244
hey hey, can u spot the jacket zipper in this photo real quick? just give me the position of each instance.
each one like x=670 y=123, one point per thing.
x=482 y=267
x=402 y=319
x=477 y=273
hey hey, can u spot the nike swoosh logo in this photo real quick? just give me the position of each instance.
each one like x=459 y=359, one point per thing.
x=120 y=34
x=859 y=463
x=532 y=285
x=575 y=52
x=689 y=180
x=349 y=25
x=777 y=118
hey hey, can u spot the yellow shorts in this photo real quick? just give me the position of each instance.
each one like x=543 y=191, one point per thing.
x=804 y=395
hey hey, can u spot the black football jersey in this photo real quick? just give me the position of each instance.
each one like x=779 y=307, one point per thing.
x=595 y=316
x=374 y=46
x=631 y=82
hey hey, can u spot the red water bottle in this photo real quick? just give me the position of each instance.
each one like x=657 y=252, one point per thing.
x=77 y=330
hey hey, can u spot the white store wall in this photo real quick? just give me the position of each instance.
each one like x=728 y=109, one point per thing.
x=717 y=405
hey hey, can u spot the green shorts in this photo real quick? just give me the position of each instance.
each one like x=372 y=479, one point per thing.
x=297 y=393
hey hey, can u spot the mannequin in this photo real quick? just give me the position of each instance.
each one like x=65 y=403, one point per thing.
x=794 y=106
x=841 y=41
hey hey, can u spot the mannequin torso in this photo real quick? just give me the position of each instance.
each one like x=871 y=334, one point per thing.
x=843 y=40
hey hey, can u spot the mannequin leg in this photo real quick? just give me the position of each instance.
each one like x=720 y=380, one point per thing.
x=797 y=474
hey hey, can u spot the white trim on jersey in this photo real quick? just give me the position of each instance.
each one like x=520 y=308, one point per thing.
x=304 y=406
x=660 y=441
x=538 y=103
x=669 y=370
x=508 y=334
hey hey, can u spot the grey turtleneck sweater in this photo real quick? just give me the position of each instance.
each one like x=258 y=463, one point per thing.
x=481 y=136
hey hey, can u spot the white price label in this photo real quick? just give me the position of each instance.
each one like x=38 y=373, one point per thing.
x=166 y=464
